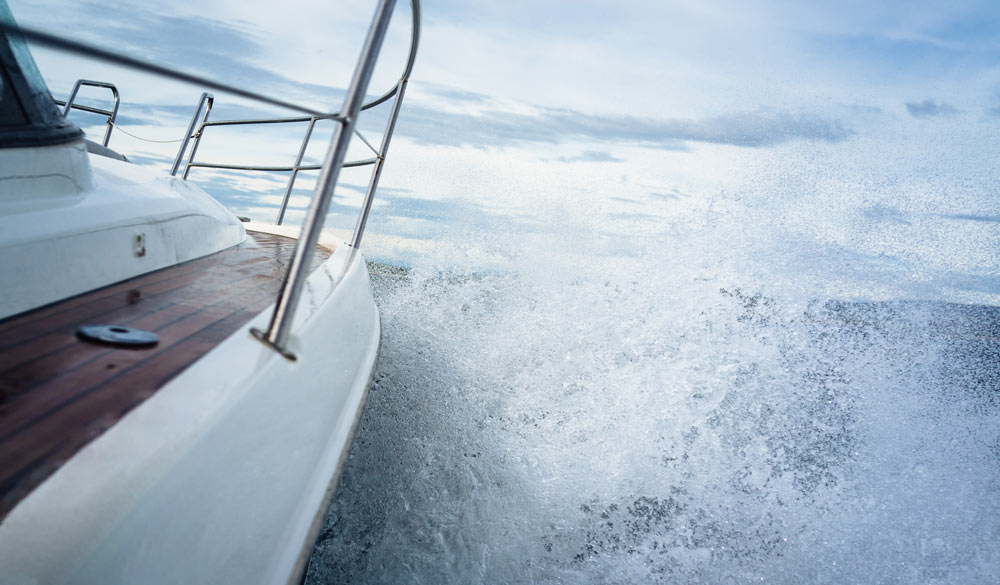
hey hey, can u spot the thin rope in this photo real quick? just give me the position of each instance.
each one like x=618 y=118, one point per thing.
x=148 y=139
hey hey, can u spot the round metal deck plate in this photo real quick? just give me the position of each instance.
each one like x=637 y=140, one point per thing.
x=118 y=336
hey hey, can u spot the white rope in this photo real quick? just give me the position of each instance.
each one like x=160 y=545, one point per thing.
x=147 y=139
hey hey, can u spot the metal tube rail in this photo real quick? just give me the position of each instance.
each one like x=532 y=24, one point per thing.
x=253 y=121
x=269 y=120
x=399 y=91
x=198 y=135
x=112 y=115
x=366 y=206
x=205 y=97
x=365 y=140
x=56 y=42
x=84 y=108
x=295 y=172
x=205 y=123
x=262 y=168
x=279 y=328
x=348 y=164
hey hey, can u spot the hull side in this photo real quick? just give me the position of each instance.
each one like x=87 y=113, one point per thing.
x=220 y=476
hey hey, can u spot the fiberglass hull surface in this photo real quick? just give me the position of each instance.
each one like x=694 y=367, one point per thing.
x=220 y=476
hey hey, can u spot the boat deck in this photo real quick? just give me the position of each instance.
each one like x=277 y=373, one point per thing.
x=58 y=393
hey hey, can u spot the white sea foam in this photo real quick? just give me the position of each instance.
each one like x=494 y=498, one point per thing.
x=773 y=382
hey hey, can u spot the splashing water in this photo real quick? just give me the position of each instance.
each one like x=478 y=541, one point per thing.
x=741 y=399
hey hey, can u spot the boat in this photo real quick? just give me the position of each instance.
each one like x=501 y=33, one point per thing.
x=178 y=386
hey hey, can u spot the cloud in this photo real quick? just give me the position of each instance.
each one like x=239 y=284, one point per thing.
x=588 y=156
x=455 y=94
x=930 y=108
x=971 y=217
x=231 y=51
x=761 y=128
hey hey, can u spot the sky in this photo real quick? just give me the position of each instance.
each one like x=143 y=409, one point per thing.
x=844 y=122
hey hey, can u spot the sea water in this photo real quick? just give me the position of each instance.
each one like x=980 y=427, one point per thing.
x=795 y=379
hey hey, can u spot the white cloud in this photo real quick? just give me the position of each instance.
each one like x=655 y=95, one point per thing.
x=502 y=91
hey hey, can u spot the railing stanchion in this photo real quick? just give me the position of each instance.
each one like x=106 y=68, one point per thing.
x=197 y=136
x=291 y=290
x=72 y=97
x=112 y=115
x=295 y=171
x=366 y=206
x=205 y=96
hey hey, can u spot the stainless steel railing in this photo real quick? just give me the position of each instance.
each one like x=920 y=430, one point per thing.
x=279 y=329
x=294 y=168
x=205 y=101
x=112 y=114
x=380 y=153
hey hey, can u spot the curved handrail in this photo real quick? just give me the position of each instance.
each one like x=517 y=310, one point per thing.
x=414 y=42
x=56 y=42
x=278 y=330
x=112 y=115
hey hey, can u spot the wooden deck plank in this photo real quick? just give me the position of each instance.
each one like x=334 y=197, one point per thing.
x=91 y=408
x=194 y=267
x=57 y=393
x=64 y=353
x=156 y=287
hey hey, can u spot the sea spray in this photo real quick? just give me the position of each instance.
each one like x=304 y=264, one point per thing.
x=590 y=434
x=750 y=391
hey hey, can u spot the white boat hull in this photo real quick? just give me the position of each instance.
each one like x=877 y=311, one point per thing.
x=223 y=474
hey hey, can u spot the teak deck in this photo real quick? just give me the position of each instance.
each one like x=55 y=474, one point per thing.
x=58 y=393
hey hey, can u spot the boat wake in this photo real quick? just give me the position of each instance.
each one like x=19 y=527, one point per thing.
x=796 y=380
x=565 y=429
